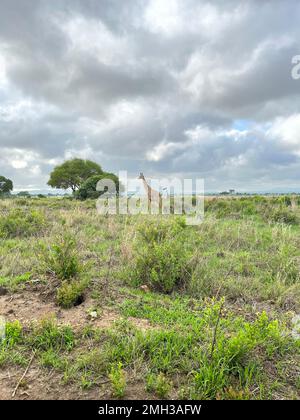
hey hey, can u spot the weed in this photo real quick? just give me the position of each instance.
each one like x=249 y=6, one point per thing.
x=159 y=384
x=51 y=359
x=13 y=333
x=210 y=379
x=13 y=283
x=118 y=380
x=47 y=335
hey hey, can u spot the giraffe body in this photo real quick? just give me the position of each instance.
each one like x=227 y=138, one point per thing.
x=152 y=195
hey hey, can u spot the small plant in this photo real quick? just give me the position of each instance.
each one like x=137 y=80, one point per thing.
x=70 y=294
x=13 y=333
x=157 y=232
x=235 y=394
x=93 y=361
x=51 y=359
x=14 y=282
x=86 y=382
x=62 y=258
x=118 y=380
x=158 y=384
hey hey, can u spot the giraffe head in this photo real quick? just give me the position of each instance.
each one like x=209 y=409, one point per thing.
x=141 y=176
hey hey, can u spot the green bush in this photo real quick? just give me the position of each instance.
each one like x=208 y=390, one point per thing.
x=282 y=215
x=21 y=223
x=151 y=232
x=13 y=283
x=62 y=258
x=70 y=294
x=161 y=260
x=233 y=357
x=278 y=213
x=161 y=266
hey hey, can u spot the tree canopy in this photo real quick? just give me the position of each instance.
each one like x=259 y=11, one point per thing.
x=89 y=188
x=72 y=173
x=6 y=185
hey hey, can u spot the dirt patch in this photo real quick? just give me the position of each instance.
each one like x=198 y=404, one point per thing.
x=28 y=306
x=41 y=385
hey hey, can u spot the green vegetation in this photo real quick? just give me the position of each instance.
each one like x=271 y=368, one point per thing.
x=70 y=294
x=49 y=336
x=89 y=188
x=158 y=384
x=21 y=223
x=118 y=380
x=13 y=283
x=163 y=310
x=62 y=258
x=6 y=186
x=161 y=261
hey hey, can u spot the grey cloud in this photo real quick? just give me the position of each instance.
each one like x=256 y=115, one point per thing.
x=207 y=65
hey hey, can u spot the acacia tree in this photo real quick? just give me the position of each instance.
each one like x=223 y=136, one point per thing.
x=72 y=173
x=6 y=185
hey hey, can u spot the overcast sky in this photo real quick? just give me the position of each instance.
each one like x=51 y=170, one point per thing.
x=167 y=87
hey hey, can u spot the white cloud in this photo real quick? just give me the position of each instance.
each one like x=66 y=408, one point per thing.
x=287 y=132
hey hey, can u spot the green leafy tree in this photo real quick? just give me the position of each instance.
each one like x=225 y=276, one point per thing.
x=89 y=188
x=6 y=185
x=72 y=173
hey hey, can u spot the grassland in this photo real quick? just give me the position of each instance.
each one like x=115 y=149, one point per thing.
x=147 y=307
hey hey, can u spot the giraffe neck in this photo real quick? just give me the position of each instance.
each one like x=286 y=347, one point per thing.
x=146 y=186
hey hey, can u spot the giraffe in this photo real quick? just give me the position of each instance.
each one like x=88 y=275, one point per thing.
x=153 y=195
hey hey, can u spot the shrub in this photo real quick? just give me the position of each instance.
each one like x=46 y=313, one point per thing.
x=161 y=261
x=21 y=223
x=158 y=232
x=283 y=215
x=62 y=258
x=70 y=294
x=161 y=266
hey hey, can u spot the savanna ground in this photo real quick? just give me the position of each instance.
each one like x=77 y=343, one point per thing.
x=146 y=307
